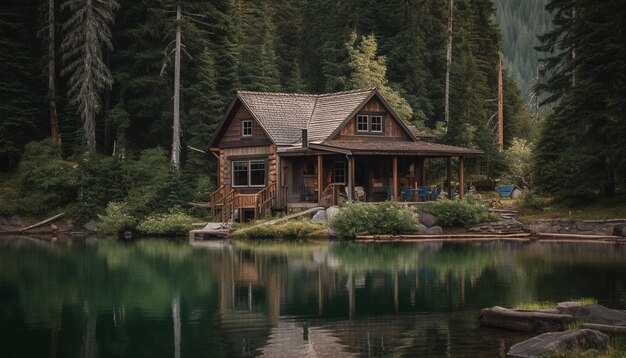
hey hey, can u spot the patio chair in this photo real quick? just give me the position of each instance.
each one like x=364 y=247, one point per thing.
x=422 y=193
x=359 y=193
x=406 y=194
x=434 y=195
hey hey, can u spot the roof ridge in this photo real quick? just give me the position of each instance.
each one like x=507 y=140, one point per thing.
x=307 y=94
x=312 y=113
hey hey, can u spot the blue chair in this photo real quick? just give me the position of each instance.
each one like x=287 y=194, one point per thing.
x=434 y=195
x=422 y=193
x=387 y=193
x=406 y=194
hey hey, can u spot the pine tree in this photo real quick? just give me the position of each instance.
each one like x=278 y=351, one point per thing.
x=86 y=31
x=369 y=70
x=22 y=97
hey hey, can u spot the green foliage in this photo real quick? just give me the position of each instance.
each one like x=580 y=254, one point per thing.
x=369 y=70
x=385 y=218
x=528 y=200
x=519 y=163
x=459 y=213
x=43 y=181
x=171 y=223
x=291 y=230
x=552 y=305
x=116 y=219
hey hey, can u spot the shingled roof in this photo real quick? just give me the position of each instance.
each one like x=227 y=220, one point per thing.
x=419 y=147
x=284 y=115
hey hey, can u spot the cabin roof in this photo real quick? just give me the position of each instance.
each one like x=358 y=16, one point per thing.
x=419 y=147
x=284 y=115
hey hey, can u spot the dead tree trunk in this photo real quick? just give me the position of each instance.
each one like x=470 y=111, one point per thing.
x=176 y=125
x=54 y=124
x=448 y=62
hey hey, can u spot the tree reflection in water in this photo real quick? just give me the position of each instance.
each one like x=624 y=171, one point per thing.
x=156 y=298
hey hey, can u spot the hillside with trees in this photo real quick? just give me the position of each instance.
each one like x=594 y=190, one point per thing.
x=113 y=82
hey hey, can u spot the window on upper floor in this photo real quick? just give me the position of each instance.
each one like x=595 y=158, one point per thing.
x=246 y=128
x=362 y=123
x=377 y=124
x=369 y=124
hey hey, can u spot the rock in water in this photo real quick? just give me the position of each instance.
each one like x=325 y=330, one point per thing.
x=574 y=342
x=434 y=230
x=593 y=313
x=91 y=225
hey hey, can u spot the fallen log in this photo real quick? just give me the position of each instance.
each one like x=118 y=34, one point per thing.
x=523 y=321
x=605 y=328
x=42 y=222
x=546 y=235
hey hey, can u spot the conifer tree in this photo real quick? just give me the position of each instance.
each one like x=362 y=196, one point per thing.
x=86 y=31
x=369 y=70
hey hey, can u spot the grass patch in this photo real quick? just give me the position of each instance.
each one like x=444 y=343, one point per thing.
x=459 y=213
x=543 y=305
x=600 y=210
x=293 y=229
x=173 y=223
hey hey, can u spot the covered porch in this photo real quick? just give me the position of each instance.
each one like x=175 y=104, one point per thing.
x=322 y=174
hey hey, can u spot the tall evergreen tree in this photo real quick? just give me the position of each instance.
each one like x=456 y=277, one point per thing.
x=87 y=30
x=23 y=116
x=370 y=70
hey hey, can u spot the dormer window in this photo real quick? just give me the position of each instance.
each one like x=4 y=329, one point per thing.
x=246 y=128
x=369 y=124
x=377 y=124
x=361 y=124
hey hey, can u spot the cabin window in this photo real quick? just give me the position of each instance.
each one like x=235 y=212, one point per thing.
x=361 y=124
x=377 y=124
x=246 y=128
x=339 y=172
x=249 y=172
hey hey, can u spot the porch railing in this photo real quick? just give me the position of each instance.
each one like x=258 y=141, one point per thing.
x=330 y=195
x=225 y=200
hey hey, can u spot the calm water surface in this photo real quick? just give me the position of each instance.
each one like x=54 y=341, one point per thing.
x=157 y=298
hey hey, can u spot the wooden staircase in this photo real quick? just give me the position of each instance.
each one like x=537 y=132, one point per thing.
x=225 y=200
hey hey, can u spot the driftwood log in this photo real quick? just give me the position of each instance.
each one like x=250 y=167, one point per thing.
x=606 y=328
x=51 y=219
x=523 y=321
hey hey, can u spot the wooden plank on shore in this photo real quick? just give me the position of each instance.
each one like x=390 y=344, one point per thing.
x=444 y=236
x=292 y=216
x=547 y=235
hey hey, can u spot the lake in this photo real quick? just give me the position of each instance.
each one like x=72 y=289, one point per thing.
x=158 y=298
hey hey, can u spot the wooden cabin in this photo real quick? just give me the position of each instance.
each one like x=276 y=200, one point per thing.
x=281 y=151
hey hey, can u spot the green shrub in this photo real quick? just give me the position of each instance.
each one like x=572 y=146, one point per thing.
x=528 y=200
x=385 y=218
x=295 y=229
x=459 y=213
x=42 y=183
x=174 y=222
x=116 y=219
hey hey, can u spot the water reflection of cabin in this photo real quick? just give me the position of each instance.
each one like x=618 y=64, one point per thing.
x=278 y=150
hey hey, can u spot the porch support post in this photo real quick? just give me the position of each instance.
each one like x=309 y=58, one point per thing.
x=461 y=177
x=394 y=193
x=423 y=171
x=320 y=176
x=449 y=175
x=350 y=178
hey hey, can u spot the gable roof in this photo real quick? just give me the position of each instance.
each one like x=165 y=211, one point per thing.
x=284 y=115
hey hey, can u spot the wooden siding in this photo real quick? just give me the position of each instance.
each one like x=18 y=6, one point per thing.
x=391 y=129
x=227 y=155
x=232 y=136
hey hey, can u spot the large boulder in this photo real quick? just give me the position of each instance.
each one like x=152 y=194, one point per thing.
x=574 y=342
x=593 y=313
x=91 y=225
x=428 y=219
x=320 y=216
x=421 y=228
x=331 y=212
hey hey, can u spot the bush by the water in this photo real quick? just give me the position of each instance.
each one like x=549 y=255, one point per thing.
x=116 y=219
x=174 y=222
x=459 y=213
x=385 y=218
x=296 y=229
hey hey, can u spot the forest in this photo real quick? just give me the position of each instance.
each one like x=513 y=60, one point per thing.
x=89 y=94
